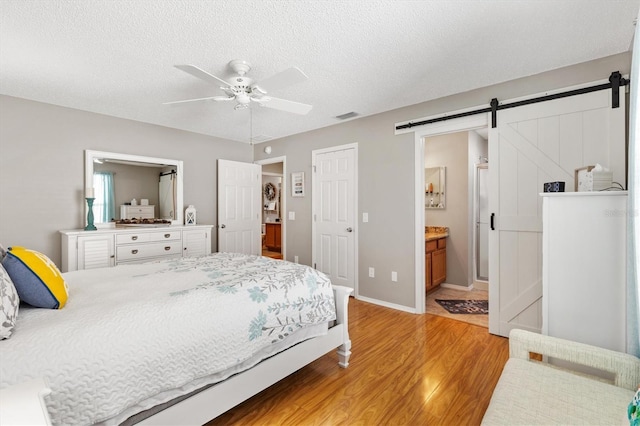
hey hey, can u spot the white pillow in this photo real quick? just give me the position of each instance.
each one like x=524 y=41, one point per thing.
x=9 y=304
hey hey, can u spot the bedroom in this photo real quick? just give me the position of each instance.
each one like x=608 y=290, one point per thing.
x=42 y=147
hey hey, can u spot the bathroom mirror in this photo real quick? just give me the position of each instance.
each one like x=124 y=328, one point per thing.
x=157 y=180
x=434 y=196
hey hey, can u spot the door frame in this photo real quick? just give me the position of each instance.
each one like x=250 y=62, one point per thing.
x=476 y=208
x=456 y=125
x=314 y=154
x=283 y=198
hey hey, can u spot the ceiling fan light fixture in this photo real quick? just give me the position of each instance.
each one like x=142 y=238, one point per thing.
x=243 y=89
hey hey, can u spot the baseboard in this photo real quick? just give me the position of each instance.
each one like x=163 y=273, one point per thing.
x=387 y=304
x=457 y=287
x=481 y=285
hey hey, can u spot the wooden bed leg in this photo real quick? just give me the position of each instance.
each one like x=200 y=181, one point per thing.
x=342 y=317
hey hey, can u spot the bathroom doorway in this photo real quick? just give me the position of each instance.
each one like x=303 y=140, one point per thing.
x=273 y=201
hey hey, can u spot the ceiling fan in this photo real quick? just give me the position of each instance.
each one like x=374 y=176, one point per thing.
x=244 y=90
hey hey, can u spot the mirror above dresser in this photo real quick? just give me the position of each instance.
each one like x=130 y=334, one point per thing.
x=155 y=184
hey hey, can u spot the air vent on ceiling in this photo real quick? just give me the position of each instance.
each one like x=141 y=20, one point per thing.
x=347 y=115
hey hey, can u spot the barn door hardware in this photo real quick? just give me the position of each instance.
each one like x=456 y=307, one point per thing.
x=615 y=81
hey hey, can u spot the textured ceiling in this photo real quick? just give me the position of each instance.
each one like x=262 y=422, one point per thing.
x=367 y=56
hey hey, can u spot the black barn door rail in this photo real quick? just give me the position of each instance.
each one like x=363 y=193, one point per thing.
x=615 y=81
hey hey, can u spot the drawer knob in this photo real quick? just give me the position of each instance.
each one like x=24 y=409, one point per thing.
x=167 y=235
x=134 y=251
x=135 y=237
x=167 y=248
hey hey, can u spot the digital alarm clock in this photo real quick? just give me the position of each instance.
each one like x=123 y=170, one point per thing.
x=553 y=187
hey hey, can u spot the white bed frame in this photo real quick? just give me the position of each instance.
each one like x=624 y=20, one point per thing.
x=221 y=397
x=24 y=403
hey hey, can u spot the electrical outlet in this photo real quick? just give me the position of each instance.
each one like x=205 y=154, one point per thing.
x=372 y=273
x=295 y=259
x=394 y=276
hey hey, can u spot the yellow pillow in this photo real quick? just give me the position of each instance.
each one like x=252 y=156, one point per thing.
x=36 y=278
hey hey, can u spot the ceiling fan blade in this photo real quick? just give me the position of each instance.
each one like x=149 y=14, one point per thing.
x=282 y=79
x=285 y=105
x=194 y=100
x=201 y=74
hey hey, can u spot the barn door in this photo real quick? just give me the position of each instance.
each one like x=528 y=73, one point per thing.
x=533 y=144
x=239 y=212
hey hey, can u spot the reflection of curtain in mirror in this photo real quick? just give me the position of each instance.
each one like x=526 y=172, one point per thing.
x=167 y=192
x=104 y=206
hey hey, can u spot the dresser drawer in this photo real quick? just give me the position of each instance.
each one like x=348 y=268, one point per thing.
x=130 y=252
x=148 y=237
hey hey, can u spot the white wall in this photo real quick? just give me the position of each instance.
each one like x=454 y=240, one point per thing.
x=42 y=167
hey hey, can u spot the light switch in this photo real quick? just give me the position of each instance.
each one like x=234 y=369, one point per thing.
x=292 y=215
x=365 y=217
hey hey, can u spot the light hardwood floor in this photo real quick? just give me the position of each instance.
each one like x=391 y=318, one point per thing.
x=405 y=369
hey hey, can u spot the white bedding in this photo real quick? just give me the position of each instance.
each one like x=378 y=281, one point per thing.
x=133 y=336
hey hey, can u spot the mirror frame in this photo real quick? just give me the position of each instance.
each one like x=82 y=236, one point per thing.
x=91 y=155
x=442 y=176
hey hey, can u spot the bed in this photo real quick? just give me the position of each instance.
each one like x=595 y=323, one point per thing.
x=192 y=337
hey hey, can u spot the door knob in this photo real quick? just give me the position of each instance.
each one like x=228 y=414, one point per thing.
x=349 y=229
x=223 y=226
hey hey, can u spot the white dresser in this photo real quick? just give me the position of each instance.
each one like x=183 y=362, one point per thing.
x=584 y=267
x=137 y=212
x=109 y=247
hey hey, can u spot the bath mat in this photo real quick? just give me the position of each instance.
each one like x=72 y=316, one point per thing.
x=462 y=306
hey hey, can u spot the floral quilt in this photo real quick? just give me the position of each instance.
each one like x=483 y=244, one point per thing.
x=136 y=333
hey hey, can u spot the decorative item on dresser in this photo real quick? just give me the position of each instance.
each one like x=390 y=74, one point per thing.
x=190 y=215
x=89 y=197
x=110 y=247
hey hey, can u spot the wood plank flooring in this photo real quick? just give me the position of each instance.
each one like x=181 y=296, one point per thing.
x=405 y=369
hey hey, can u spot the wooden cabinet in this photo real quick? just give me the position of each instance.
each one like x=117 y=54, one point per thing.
x=108 y=247
x=435 y=263
x=273 y=237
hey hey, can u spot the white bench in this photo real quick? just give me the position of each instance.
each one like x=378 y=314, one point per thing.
x=537 y=393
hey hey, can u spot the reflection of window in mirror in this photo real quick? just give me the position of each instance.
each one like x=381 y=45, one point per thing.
x=104 y=206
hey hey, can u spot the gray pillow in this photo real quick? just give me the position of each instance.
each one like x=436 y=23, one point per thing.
x=3 y=252
x=9 y=304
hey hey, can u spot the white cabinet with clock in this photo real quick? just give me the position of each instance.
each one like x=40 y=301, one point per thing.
x=109 y=247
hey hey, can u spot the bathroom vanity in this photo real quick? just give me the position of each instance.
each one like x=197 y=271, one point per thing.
x=435 y=256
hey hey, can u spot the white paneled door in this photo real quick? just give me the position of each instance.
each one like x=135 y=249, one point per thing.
x=334 y=213
x=239 y=201
x=534 y=144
